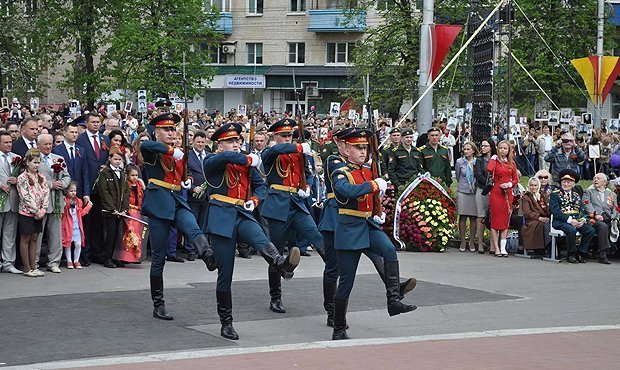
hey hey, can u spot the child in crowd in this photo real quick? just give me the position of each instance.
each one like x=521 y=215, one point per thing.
x=114 y=195
x=72 y=229
x=130 y=250
x=33 y=201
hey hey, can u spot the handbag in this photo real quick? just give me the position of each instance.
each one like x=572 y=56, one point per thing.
x=487 y=188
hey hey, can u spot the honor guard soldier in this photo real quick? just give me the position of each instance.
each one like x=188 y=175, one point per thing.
x=435 y=157
x=165 y=206
x=230 y=221
x=404 y=161
x=327 y=226
x=567 y=210
x=284 y=208
x=358 y=230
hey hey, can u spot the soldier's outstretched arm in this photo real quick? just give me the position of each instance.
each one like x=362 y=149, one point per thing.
x=218 y=162
x=156 y=147
x=270 y=154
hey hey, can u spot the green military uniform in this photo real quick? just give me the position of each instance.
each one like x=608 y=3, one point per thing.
x=384 y=157
x=315 y=146
x=329 y=148
x=403 y=165
x=437 y=162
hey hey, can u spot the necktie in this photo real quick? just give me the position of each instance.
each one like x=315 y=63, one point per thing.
x=5 y=162
x=32 y=145
x=46 y=159
x=71 y=153
x=96 y=146
x=201 y=156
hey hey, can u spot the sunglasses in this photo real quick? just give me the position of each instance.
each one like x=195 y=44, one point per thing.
x=566 y=140
x=543 y=177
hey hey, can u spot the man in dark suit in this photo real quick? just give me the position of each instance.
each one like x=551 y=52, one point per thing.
x=28 y=139
x=96 y=148
x=75 y=158
x=197 y=197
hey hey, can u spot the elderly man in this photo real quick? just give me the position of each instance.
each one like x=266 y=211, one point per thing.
x=567 y=210
x=601 y=203
x=565 y=155
x=57 y=182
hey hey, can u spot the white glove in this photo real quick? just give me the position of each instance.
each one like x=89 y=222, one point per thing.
x=186 y=184
x=303 y=193
x=506 y=185
x=306 y=148
x=178 y=154
x=256 y=160
x=379 y=220
x=249 y=206
x=382 y=184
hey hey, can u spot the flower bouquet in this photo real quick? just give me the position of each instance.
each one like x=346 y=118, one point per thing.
x=424 y=216
x=57 y=166
x=17 y=167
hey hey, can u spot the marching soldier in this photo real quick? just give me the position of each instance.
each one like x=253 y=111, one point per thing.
x=357 y=230
x=165 y=206
x=327 y=227
x=404 y=162
x=284 y=208
x=567 y=210
x=230 y=219
x=435 y=157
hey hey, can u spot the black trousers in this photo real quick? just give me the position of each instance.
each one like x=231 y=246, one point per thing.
x=112 y=232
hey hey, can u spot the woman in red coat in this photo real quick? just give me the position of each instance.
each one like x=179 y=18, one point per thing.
x=505 y=177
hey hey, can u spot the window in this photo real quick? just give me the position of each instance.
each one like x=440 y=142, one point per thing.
x=296 y=52
x=216 y=54
x=298 y=6
x=340 y=52
x=255 y=53
x=221 y=5
x=255 y=6
x=341 y=4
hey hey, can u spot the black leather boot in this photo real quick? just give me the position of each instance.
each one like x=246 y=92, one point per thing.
x=284 y=266
x=405 y=287
x=275 y=291
x=392 y=286
x=244 y=251
x=224 y=311
x=570 y=258
x=602 y=257
x=205 y=252
x=157 y=294
x=329 y=291
x=581 y=257
x=340 y=319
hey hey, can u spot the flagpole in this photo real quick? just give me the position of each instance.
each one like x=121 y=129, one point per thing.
x=599 y=52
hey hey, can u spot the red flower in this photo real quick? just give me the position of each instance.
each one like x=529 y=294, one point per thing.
x=618 y=209
x=17 y=161
x=586 y=201
x=592 y=221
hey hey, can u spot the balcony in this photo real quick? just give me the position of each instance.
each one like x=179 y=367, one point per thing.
x=336 y=20
x=225 y=23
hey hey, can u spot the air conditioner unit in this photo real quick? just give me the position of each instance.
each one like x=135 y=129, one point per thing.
x=229 y=49
x=312 y=92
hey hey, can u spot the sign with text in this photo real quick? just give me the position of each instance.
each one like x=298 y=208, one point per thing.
x=245 y=81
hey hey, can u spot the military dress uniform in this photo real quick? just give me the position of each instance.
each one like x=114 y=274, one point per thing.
x=230 y=219
x=437 y=162
x=356 y=231
x=566 y=206
x=284 y=208
x=403 y=165
x=166 y=208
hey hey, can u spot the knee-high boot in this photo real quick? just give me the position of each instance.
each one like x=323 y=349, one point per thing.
x=157 y=295
x=283 y=266
x=224 y=311
x=205 y=252
x=404 y=287
x=329 y=291
x=392 y=285
x=275 y=291
x=340 y=319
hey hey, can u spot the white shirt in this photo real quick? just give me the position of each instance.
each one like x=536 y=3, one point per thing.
x=92 y=139
x=72 y=154
x=117 y=171
x=548 y=142
x=204 y=154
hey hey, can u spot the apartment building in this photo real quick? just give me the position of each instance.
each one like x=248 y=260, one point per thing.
x=271 y=47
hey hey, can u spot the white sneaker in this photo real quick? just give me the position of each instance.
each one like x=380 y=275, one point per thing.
x=12 y=270
x=38 y=273
x=30 y=273
x=54 y=269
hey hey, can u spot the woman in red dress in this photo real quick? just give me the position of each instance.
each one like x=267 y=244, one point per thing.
x=505 y=177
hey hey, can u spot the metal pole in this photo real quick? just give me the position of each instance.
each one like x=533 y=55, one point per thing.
x=599 y=52
x=425 y=108
x=509 y=67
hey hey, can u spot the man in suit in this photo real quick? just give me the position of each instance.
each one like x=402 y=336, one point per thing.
x=9 y=206
x=28 y=139
x=601 y=203
x=57 y=182
x=197 y=196
x=96 y=148
x=75 y=158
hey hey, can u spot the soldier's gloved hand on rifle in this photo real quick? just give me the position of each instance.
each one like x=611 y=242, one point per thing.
x=306 y=148
x=380 y=220
x=303 y=193
x=256 y=160
x=186 y=184
x=178 y=154
x=382 y=185
x=249 y=206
